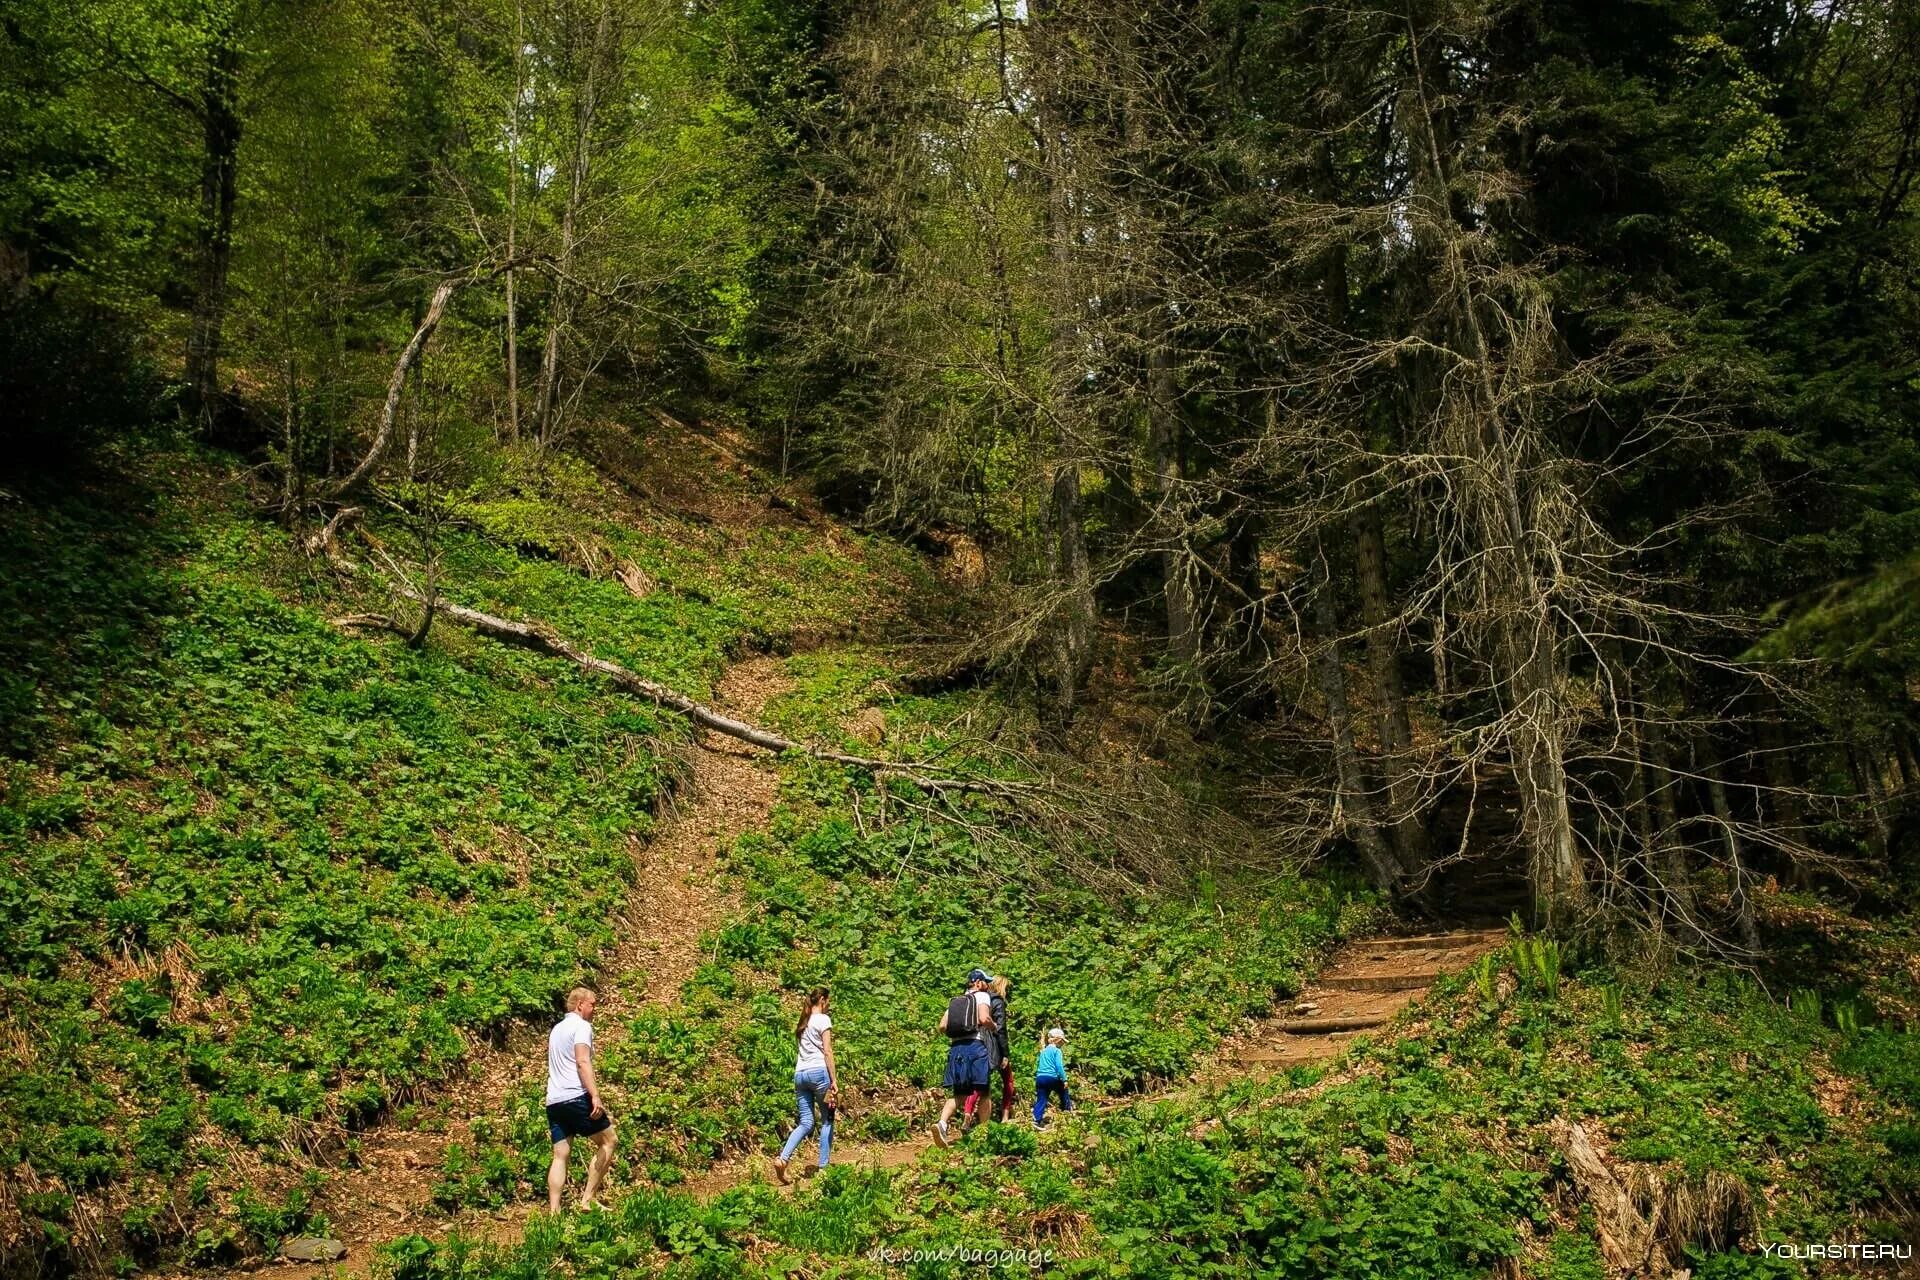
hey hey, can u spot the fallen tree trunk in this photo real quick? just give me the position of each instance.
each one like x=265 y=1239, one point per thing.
x=1627 y=1236
x=396 y=384
x=541 y=639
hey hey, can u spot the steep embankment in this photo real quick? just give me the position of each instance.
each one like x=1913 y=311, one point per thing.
x=267 y=881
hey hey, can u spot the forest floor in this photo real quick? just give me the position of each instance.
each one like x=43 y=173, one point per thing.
x=1278 y=1083
x=678 y=901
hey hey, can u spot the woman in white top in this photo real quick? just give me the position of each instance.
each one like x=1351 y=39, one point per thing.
x=815 y=1081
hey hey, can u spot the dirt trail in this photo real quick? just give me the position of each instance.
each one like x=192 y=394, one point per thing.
x=678 y=900
x=1364 y=985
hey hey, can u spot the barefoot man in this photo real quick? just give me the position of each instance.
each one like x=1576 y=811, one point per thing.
x=574 y=1109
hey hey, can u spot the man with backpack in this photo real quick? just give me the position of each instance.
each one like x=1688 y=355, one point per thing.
x=969 y=1028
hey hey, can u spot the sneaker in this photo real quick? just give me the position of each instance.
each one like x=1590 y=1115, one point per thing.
x=780 y=1171
x=941 y=1136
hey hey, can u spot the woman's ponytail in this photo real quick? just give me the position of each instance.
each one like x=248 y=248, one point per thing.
x=814 y=1001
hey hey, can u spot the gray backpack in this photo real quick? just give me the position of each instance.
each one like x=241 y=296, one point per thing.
x=963 y=1018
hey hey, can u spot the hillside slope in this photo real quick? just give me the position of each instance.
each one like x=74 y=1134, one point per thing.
x=267 y=879
x=288 y=904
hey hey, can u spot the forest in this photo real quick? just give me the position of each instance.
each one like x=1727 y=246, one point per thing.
x=1216 y=509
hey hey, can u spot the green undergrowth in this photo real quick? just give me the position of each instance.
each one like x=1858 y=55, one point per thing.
x=264 y=878
x=867 y=889
x=1434 y=1155
x=704 y=589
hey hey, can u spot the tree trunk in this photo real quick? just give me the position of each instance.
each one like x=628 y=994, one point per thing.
x=513 y=226
x=513 y=355
x=1243 y=575
x=1381 y=867
x=1539 y=760
x=1163 y=431
x=1163 y=409
x=213 y=250
x=1389 y=692
x=1071 y=572
x=1639 y=805
x=1783 y=797
x=1507 y=478
x=1736 y=867
x=397 y=383
x=1866 y=770
x=292 y=486
x=417 y=378
x=1670 y=855
x=586 y=106
x=1069 y=567
x=1903 y=762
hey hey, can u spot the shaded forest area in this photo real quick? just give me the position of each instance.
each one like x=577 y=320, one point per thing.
x=1500 y=416
x=1470 y=445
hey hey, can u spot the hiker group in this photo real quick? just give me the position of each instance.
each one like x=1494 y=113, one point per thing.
x=975 y=1024
x=978 y=1049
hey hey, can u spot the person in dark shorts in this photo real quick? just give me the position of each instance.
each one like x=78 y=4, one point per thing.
x=968 y=1025
x=574 y=1109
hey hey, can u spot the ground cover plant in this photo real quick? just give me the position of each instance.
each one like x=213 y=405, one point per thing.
x=1432 y=1155
x=265 y=878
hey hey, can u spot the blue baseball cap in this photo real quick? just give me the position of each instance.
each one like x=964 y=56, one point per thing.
x=978 y=975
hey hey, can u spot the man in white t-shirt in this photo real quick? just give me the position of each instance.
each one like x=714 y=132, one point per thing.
x=574 y=1109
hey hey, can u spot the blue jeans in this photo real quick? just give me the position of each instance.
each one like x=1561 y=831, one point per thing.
x=810 y=1089
x=1042 y=1086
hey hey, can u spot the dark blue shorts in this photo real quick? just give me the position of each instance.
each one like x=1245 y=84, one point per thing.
x=968 y=1067
x=574 y=1118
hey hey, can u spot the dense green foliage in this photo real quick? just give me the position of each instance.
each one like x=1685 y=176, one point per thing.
x=1431 y=1157
x=265 y=878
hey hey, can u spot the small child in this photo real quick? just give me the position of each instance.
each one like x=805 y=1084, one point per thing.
x=1050 y=1077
